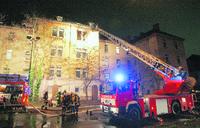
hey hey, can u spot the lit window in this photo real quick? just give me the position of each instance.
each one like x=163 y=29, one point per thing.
x=60 y=51
x=117 y=50
x=9 y=54
x=61 y=32
x=79 y=33
x=59 y=71
x=78 y=73
x=54 y=31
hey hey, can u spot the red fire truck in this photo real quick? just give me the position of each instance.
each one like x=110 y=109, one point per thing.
x=120 y=97
x=14 y=91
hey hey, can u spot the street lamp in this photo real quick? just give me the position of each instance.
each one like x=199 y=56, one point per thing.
x=33 y=40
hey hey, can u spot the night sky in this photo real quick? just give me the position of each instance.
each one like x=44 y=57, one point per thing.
x=120 y=17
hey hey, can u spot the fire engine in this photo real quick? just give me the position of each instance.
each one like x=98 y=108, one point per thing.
x=121 y=98
x=14 y=91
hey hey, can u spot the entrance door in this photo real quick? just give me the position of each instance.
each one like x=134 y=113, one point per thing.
x=94 y=92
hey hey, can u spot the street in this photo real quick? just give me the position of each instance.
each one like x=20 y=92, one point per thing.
x=95 y=120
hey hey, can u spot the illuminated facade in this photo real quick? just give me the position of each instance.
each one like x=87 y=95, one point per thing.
x=69 y=56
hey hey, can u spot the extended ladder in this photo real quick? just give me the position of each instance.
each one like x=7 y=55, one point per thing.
x=145 y=57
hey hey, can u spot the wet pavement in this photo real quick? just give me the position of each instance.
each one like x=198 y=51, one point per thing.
x=96 y=120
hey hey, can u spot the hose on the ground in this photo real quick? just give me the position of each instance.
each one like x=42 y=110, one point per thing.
x=50 y=115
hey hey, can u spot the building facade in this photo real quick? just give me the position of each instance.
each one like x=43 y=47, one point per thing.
x=71 y=57
x=64 y=55
x=164 y=46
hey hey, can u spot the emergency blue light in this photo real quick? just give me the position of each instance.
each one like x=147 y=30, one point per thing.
x=119 y=78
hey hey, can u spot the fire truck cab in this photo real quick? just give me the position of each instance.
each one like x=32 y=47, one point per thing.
x=120 y=98
x=14 y=91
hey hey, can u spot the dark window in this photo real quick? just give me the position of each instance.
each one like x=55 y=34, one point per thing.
x=178 y=60
x=76 y=89
x=84 y=73
x=164 y=44
x=78 y=54
x=78 y=73
x=129 y=63
x=51 y=72
x=166 y=58
x=118 y=63
x=53 y=51
x=60 y=51
x=106 y=48
x=59 y=71
x=175 y=44
x=61 y=32
x=55 y=31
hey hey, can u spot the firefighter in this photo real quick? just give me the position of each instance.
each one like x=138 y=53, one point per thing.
x=45 y=100
x=75 y=103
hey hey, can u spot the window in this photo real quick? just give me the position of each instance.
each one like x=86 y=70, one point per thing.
x=76 y=90
x=106 y=62
x=81 y=53
x=53 y=51
x=118 y=62
x=58 y=32
x=175 y=44
x=164 y=43
x=78 y=73
x=60 y=51
x=84 y=73
x=179 y=60
x=106 y=48
x=107 y=76
x=166 y=58
x=117 y=50
x=59 y=71
x=129 y=63
x=61 y=32
x=57 y=51
x=78 y=54
x=54 y=31
x=9 y=54
x=81 y=35
x=51 y=72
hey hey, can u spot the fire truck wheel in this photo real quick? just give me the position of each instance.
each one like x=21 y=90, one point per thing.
x=176 y=108
x=134 y=114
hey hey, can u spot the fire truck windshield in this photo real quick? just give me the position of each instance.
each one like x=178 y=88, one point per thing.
x=109 y=88
x=17 y=89
x=112 y=87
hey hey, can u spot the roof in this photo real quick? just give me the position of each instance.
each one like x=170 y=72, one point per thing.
x=154 y=30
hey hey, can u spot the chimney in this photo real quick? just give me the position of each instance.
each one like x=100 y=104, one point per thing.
x=156 y=27
x=59 y=18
